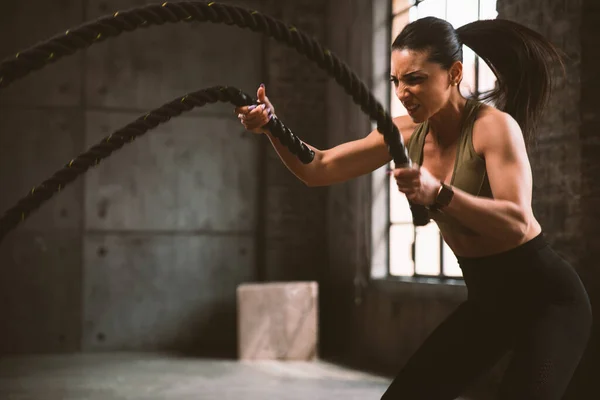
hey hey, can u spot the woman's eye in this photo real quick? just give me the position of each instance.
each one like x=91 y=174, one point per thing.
x=414 y=81
x=408 y=81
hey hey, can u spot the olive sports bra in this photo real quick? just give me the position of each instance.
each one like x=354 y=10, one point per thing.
x=469 y=173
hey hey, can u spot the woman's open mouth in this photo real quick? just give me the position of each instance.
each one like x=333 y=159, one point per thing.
x=412 y=109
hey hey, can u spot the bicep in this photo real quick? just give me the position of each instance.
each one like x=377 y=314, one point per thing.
x=506 y=161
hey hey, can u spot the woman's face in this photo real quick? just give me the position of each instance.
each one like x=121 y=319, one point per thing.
x=423 y=87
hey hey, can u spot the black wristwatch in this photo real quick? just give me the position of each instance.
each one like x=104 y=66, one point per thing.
x=443 y=198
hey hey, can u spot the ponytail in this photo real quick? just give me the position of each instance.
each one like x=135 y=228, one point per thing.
x=522 y=61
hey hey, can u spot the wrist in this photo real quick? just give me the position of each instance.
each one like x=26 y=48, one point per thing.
x=265 y=129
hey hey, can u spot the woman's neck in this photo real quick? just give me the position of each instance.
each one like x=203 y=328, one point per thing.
x=445 y=125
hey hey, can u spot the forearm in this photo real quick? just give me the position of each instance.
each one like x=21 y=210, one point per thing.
x=337 y=164
x=307 y=173
x=496 y=218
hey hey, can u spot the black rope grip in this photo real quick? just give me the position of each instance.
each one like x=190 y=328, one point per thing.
x=59 y=46
x=291 y=141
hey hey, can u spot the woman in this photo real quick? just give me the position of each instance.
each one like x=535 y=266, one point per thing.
x=474 y=176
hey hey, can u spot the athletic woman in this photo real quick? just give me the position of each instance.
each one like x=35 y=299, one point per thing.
x=473 y=174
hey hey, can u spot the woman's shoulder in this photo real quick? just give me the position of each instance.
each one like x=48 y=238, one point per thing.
x=488 y=114
x=494 y=126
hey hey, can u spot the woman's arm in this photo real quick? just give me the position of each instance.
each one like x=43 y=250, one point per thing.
x=338 y=164
x=509 y=213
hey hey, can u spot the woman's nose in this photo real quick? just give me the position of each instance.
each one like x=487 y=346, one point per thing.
x=403 y=93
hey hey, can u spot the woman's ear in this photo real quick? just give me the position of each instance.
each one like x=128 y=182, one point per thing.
x=456 y=73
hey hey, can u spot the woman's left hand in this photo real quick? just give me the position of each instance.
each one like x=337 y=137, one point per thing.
x=417 y=183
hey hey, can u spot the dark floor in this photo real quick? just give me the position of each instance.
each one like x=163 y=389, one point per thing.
x=150 y=376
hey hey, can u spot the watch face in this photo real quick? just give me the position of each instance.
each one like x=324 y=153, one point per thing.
x=445 y=195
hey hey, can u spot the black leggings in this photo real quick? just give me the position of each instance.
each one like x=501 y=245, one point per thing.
x=528 y=301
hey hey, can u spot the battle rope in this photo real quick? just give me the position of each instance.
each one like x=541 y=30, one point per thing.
x=89 y=33
x=130 y=132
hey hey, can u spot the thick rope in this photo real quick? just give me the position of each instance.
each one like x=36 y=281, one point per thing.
x=92 y=157
x=97 y=31
x=85 y=35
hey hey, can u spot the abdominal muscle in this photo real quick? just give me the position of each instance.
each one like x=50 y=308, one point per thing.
x=481 y=246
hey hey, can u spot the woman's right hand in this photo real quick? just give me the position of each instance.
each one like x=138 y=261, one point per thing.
x=255 y=117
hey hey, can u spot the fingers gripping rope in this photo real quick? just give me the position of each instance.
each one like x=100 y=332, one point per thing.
x=85 y=35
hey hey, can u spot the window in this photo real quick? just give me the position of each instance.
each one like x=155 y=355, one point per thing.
x=421 y=251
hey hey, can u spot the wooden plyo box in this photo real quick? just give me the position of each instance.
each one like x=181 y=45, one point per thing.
x=278 y=321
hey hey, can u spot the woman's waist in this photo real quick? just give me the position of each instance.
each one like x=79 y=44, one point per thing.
x=532 y=270
x=490 y=251
x=469 y=244
x=474 y=248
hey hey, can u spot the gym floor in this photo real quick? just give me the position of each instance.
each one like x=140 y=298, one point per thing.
x=166 y=377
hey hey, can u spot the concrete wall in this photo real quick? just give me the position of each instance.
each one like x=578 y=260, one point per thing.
x=42 y=122
x=146 y=250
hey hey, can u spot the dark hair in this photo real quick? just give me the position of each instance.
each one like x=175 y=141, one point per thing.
x=520 y=58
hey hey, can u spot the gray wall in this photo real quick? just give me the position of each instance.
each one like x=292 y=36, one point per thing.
x=42 y=125
x=145 y=251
